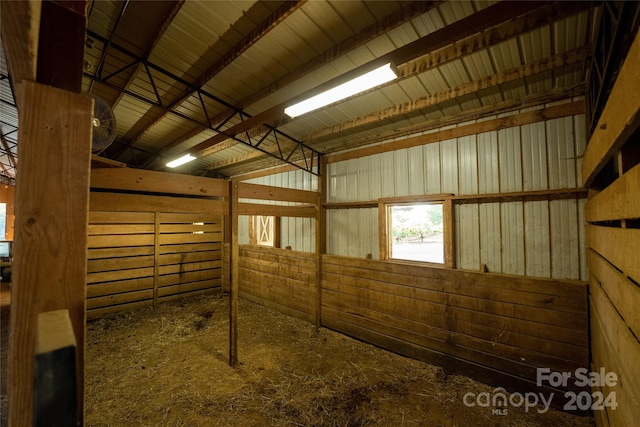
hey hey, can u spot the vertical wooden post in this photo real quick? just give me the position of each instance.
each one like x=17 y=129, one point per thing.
x=449 y=234
x=50 y=249
x=233 y=289
x=320 y=240
x=156 y=257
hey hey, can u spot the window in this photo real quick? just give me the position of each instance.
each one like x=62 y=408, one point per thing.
x=414 y=230
x=263 y=231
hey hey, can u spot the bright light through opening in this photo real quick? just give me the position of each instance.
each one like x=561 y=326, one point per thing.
x=181 y=161
x=359 y=84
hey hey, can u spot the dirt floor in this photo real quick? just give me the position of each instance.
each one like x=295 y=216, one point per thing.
x=168 y=367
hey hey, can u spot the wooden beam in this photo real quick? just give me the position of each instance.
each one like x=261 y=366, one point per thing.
x=51 y=229
x=486 y=18
x=557 y=111
x=618 y=201
x=448 y=216
x=158 y=182
x=235 y=276
x=320 y=240
x=267 y=192
x=276 y=210
x=620 y=117
x=134 y=203
x=20 y=34
x=102 y=162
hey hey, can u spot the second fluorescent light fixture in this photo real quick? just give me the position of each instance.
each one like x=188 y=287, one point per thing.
x=359 y=84
x=181 y=161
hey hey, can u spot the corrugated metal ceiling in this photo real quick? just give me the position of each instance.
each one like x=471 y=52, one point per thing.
x=159 y=62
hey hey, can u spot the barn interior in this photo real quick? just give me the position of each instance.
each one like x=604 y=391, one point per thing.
x=478 y=210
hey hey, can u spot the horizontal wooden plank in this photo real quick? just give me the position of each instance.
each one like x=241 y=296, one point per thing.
x=277 y=210
x=192 y=266
x=439 y=290
x=193 y=276
x=158 y=182
x=189 y=294
x=461 y=322
x=116 y=299
x=618 y=201
x=279 y=270
x=113 y=241
x=188 y=287
x=188 y=218
x=190 y=228
x=110 y=264
x=620 y=117
x=551 y=287
x=303 y=315
x=250 y=250
x=619 y=246
x=118 y=229
x=119 y=252
x=185 y=238
x=101 y=312
x=189 y=247
x=266 y=192
x=111 y=217
x=110 y=276
x=617 y=350
x=144 y=203
x=252 y=277
x=180 y=258
x=102 y=289
x=622 y=292
x=299 y=300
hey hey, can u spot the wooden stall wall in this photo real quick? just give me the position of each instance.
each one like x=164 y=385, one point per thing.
x=282 y=279
x=495 y=328
x=144 y=249
x=611 y=168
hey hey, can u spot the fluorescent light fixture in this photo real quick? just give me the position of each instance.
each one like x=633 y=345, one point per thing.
x=181 y=161
x=359 y=84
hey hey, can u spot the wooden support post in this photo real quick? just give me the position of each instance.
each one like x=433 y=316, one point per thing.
x=320 y=241
x=449 y=233
x=235 y=271
x=50 y=230
x=156 y=256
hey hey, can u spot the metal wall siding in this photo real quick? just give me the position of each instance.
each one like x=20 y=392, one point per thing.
x=490 y=242
x=375 y=186
x=561 y=152
x=565 y=258
x=512 y=238
x=467 y=165
x=534 y=157
x=582 y=244
x=416 y=171
x=449 y=166
x=488 y=163
x=536 y=221
x=467 y=237
x=401 y=167
x=580 y=130
x=432 y=168
x=388 y=174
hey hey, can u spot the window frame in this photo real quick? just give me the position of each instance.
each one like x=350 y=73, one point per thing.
x=254 y=230
x=384 y=206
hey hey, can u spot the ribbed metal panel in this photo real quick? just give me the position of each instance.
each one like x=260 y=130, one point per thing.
x=467 y=237
x=510 y=159
x=534 y=157
x=565 y=257
x=579 y=131
x=432 y=168
x=449 y=166
x=536 y=222
x=468 y=165
x=561 y=152
x=512 y=238
x=488 y=163
x=490 y=241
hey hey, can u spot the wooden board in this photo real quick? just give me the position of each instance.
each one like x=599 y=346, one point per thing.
x=139 y=203
x=619 y=246
x=267 y=192
x=618 y=201
x=139 y=180
x=276 y=210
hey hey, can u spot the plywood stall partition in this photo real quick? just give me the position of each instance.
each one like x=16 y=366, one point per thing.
x=611 y=168
x=145 y=248
x=283 y=279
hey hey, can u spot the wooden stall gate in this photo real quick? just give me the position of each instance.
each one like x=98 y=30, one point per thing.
x=611 y=169
x=144 y=249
